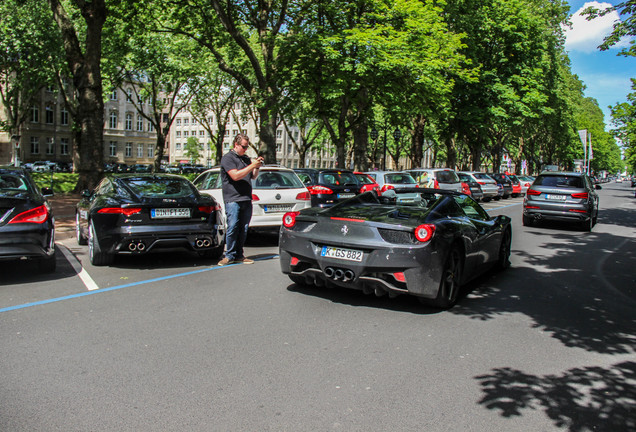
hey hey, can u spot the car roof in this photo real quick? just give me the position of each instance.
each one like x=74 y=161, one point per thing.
x=568 y=173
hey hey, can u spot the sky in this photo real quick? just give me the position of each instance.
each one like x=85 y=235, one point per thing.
x=605 y=74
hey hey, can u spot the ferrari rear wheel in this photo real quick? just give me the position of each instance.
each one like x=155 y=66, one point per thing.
x=450 y=283
x=504 y=250
x=95 y=254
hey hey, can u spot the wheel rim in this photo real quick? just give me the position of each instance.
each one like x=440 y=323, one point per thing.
x=78 y=234
x=451 y=277
x=91 y=239
x=505 y=250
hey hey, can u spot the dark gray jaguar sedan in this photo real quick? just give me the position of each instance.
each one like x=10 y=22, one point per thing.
x=423 y=242
x=562 y=196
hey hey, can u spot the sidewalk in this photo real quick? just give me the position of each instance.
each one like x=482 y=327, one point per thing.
x=63 y=207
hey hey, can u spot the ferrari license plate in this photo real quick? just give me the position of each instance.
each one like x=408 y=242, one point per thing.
x=170 y=213
x=340 y=253
x=553 y=197
x=277 y=208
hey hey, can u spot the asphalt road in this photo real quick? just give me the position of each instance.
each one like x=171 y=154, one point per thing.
x=174 y=343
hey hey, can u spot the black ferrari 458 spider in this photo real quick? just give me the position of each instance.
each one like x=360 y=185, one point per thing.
x=424 y=242
x=136 y=213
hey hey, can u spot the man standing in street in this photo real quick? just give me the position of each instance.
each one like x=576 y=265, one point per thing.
x=237 y=171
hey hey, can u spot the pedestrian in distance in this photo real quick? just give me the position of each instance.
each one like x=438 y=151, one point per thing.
x=237 y=172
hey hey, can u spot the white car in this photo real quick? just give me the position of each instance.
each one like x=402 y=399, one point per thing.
x=275 y=191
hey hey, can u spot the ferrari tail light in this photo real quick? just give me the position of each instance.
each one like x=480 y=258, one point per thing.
x=255 y=197
x=533 y=192
x=289 y=219
x=35 y=215
x=581 y=195
x=386 y=187
x=303 y=196
x=126 y=211
x=466 y=188
x=294 y=261
x=424 y=232
x=316 y=190
x=399 y=276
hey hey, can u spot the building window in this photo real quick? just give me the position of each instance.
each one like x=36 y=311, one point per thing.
x=278 y=148
x=113 y=120
x=186 y=121
x=150 y=151
x=227 y=133
x=178 y=122
x=279 y=134
x=128 y=150
x=35 y=114
x=35 y=145
x=151 y=127
x=178 y=147
x=289 y=148
x=128 y=122
x=140 y=123
x=201 y=133
x=244 y=131
x=48 y=115
x=140 y=150
x=64 y=117
x=50 y=146
x=113 y=95
x=63 y=146
x=178 y=133
x=129 y=95
x=234 y=132
x=112 y=148
x=186 y=133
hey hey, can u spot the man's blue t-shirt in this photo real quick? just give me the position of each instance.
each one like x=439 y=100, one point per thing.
x=234 y=191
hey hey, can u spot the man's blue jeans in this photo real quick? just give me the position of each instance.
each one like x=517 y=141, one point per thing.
x=238 y=215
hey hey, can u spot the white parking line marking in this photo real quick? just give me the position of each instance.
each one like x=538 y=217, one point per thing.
x=89 y=283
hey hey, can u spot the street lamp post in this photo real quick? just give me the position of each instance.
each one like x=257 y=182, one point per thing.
x=397 y=134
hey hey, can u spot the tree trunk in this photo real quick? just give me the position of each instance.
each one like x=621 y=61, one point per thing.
x=417 y=141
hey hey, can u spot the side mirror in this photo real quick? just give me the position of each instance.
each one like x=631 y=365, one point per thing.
x=86 y=193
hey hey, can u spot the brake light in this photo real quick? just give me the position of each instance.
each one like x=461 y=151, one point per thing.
x=399 y=276
x=35 y=215
x=294 y=261
x=316 y=190
x=255 y=197
x=435 y=184
x=126 y=211
x=482 y=183
x=533 y=192
x=580 y=195
x=209 y=209
x=386 y=187
x=289 y=219
x=578 y=211
x=466 y=188
x=532 y=207
x=303 y=196
x=424 y=232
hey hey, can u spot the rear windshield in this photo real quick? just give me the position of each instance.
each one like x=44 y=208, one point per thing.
x=446 y=177
x=559 y=181
x=364 y=179
x=482 y=176
x=11 y=184
x=399 y=178
x=153 y=187
x=339 y=178
x=277 y=180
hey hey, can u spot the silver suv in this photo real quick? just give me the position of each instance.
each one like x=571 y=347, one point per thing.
x=565 y=196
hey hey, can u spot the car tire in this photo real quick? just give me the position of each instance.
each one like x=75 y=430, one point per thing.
x=526 y=220
x=503 y=262
x=48 y=264
x=95 y=254
x=79 y=236
x=587 y=225
x=449 y=285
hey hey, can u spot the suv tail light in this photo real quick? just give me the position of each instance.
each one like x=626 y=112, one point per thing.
x=581 y=195
x=533 y=192
x=35 y=215
x=316 y=190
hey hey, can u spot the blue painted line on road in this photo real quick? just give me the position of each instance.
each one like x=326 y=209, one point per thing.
x=118 y=287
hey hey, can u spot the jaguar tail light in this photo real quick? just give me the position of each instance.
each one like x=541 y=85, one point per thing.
x=303 y=196
x=209 y=209
x=424 y=232
x=533 y=192
x=35 y=215
x=319 y=190
x=289 y=219
x=126 y=211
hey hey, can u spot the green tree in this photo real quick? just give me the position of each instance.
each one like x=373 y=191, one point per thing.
x=192 y=149
x=624 y=121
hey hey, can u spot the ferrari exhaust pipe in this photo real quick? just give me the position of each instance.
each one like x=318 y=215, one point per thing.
x=206 y=243
x=141 y=246
x=348 y=275
x=329 y=271
x=338 y=274
x=132 y=246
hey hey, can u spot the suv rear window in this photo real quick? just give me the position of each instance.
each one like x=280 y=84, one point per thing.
x=338 y=178
x=446 y=177
x=559 y=181
x=399 y=179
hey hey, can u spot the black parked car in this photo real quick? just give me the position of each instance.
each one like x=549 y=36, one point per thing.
x=424 y=242
x=564 y=196
x=329 y=186
x=26 y=223
x=137 y=213
x=505 y=182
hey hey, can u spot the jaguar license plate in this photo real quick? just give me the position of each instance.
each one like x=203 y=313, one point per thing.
x=553 y=197
x=346 y=195
x=170 y=213
x=340 y=253
x=277 y=208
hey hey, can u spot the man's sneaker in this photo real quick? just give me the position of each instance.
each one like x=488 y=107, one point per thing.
x=244 y=260
x=224 y=261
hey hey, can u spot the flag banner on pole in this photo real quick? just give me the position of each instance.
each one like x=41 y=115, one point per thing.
x=583 y=136
x=590 y=156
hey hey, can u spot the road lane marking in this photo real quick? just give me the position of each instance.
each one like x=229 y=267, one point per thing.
x=88 y=281
x=118 y=287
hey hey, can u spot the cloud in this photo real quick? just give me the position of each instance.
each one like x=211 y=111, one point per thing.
x=585 y=36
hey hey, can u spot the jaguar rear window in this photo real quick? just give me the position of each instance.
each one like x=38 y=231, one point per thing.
x=159 y=187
